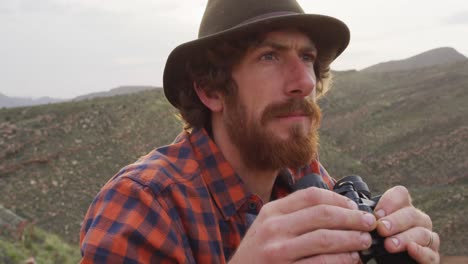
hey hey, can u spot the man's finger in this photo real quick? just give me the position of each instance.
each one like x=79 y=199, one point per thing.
x=324 y=217
x=423 y=255
x=329 y=242
x=343 y=258
x=418 y=235
x=306 y=198
x=402 y=220
x=392 y=200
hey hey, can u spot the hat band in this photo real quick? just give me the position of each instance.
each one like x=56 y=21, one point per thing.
x=268 y=15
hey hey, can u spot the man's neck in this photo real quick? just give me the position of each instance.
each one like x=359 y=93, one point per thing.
x=259 y=182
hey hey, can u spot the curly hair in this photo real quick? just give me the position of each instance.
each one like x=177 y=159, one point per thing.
x=212 y=71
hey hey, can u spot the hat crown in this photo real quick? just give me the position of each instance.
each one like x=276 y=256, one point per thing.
x=222 y=15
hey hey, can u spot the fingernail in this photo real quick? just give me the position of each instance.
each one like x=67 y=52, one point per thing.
x=355 y=257
x=387 y=224
x=365 y=239
x=368 y=219
x=395 y=242
x=380 y=213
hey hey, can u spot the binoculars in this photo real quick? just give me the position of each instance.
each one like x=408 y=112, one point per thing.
x=356 y=189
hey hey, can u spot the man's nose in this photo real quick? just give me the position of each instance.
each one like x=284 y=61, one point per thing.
x=300 y=78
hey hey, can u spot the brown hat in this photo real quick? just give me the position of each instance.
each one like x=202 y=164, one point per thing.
x=233 y=19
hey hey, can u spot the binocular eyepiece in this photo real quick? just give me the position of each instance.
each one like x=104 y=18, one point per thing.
x=354 y=188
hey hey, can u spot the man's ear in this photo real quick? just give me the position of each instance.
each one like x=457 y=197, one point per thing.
x=212 y=100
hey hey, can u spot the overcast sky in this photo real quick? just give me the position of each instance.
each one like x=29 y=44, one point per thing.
x=66 y=48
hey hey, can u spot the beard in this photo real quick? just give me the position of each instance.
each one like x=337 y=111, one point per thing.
x=261 y=149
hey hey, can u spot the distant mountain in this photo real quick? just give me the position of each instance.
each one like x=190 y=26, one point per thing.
x=429 y=58
x=121 y=90
x=8 y=102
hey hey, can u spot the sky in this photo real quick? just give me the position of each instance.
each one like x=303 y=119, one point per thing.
x=67 y=48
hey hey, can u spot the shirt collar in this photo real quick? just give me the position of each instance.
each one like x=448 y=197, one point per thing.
x=226 y=187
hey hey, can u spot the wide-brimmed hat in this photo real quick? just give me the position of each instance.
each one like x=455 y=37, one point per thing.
x=233 y=19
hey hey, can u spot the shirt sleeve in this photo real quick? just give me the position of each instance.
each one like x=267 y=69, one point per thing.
x=126 y=224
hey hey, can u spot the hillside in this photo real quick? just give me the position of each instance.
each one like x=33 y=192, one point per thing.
x=55 y=158
x=23 y=242
x=121 y=90
x=388 y=120
x=429 y=58
x=407 y=127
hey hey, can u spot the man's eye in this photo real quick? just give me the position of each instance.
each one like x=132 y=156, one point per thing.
x=308 y=57
x=269 y=56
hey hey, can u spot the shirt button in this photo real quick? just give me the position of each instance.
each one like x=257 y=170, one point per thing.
x=252 y=206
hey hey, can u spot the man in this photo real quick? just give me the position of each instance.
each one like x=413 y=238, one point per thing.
x=222 y=192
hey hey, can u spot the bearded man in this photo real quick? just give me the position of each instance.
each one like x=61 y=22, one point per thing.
x=222 y=191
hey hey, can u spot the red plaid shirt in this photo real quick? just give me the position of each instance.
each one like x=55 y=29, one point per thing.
x=181 y=203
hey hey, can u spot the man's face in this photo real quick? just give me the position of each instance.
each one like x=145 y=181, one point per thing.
x=273 y=118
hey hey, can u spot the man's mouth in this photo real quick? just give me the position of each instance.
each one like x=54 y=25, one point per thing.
x=293 y=114
x=293 y=117
x=293 y=110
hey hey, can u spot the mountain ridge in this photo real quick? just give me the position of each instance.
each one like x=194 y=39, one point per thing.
x=9 y=102
x=437 y=56
x=120 y=90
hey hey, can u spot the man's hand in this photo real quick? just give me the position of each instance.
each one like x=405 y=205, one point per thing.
x=405 y=227
x=308 y=226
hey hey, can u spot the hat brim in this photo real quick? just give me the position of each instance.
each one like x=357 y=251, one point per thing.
x=330 y=35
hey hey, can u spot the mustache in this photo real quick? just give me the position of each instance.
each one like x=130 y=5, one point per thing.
x=306 y=107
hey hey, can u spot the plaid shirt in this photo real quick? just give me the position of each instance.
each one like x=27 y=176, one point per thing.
x=181 y=203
